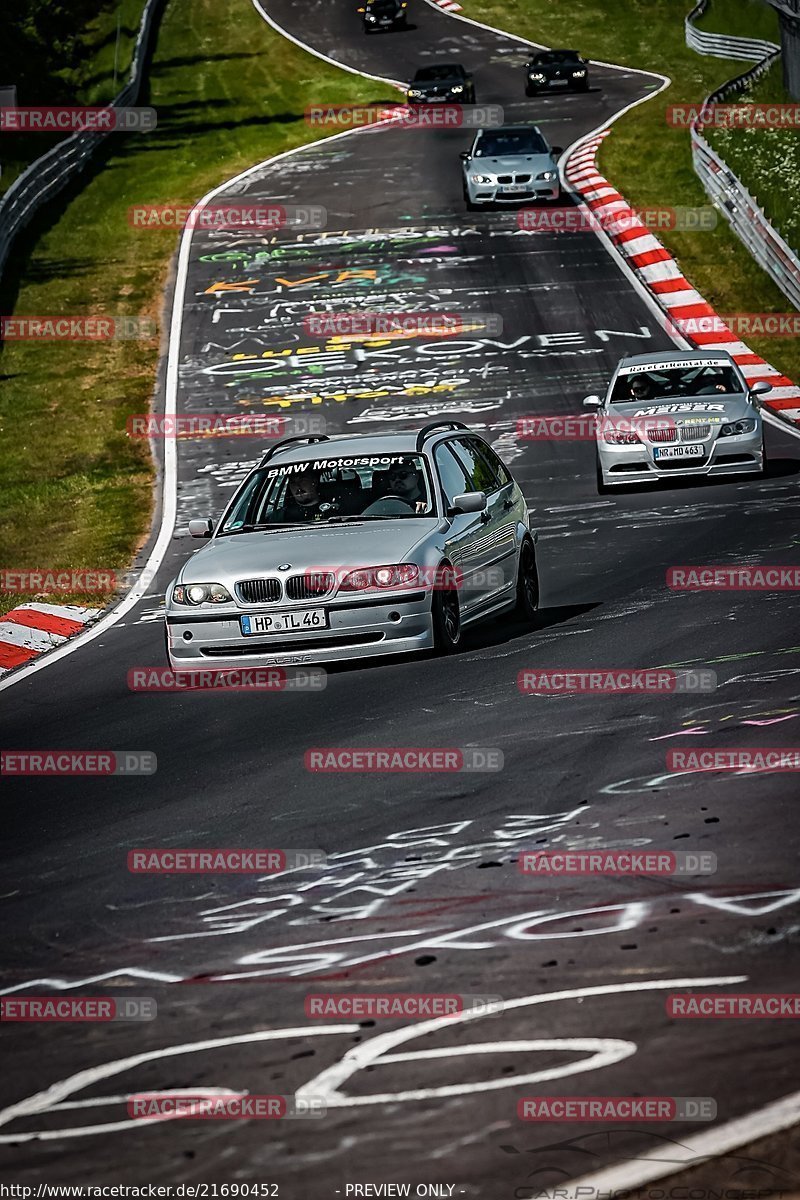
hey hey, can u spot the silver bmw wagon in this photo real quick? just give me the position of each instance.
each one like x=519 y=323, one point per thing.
x=350 y=547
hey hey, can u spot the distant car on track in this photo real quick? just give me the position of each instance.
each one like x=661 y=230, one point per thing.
x=352 y=547
x=384 y=14
x=442 y=82
x=678 y=413
x=509 y=164
x=556 y=69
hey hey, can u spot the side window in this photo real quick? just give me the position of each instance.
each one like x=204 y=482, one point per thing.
x=481 y=477
x=497 y=464
x=450 y=472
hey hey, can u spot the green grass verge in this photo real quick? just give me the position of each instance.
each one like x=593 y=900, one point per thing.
x=228 y=92
x=741 y=18
x=767 y=160
x=648 y=161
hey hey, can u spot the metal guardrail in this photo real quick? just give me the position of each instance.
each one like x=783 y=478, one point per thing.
x=728 y=193
x=47 y=175
x=722 y=45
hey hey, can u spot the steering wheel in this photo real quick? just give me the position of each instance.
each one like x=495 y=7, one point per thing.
x=394 y=496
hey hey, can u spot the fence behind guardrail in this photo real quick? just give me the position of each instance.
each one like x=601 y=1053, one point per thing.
x=45 y=177
x=726 y=190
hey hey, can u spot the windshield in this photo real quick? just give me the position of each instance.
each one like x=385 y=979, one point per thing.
x=523 y=141
x=331 y=490
x=443 y=71
x=654 y=384
x=555 y=56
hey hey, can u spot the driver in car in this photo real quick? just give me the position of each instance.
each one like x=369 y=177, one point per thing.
x=403 y=480
x=304 y=501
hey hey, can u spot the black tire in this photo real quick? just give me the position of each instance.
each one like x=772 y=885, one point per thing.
x=527 y=606
x=446 y=612
x=602 y=488
x=166 y=645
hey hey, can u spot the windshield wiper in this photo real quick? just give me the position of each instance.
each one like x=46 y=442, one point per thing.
x=267 y=525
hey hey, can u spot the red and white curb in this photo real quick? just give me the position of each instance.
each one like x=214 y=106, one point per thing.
x=448 y=5
x=655 y=267
x=30 y=630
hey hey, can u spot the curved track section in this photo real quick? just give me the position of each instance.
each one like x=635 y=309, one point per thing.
x=422 y=892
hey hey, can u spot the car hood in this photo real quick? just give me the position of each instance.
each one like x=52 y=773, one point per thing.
x=713 y=408
x=252 y=555
x=509 y=163
x=432 y=85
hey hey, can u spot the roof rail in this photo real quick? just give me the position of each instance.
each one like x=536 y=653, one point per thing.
x=428 y=430
x=310 y=438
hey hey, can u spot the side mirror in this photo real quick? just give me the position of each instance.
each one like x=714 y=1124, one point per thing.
x=593 y=402
x=201 y=527
x=465 y=155
x=468 y=502
x=556 y=151
x=760 y=388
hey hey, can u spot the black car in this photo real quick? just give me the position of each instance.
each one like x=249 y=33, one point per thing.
x=556 y=69
x=384 y=14
x=444 y=81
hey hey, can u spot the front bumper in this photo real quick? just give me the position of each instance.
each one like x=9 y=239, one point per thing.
x=558 y=85
x=494 y=193
x=740 y=454
x=365 y=628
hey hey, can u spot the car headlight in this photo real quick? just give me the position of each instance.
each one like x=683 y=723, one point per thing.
x=393 y=575
x=579 y=74
x=371 y=17
x=200 y=593
x=537 y=75
x=547 y=175
x=746 y=425
x=481 y=178
x=413 y=92
x=619 y=437
x=459 y=87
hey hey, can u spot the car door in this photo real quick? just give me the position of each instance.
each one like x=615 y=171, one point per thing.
x=465 y=544
x=486 y=473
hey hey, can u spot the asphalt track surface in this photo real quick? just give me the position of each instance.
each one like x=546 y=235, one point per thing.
x=422 y=891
